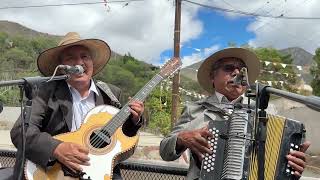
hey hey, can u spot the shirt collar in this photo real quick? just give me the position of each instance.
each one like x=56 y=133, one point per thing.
x=93 y=88
x=220 y=96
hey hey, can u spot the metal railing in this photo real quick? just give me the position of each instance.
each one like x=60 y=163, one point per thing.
x=130 y=169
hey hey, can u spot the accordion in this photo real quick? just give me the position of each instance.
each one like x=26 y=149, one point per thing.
x=234 y=153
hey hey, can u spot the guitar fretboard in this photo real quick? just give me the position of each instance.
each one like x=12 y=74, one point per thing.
x=124 y=113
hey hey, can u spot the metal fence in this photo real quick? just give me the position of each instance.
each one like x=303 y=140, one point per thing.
x=131 y=170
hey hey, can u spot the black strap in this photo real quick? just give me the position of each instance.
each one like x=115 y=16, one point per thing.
x=261 y=139
x=114 y=101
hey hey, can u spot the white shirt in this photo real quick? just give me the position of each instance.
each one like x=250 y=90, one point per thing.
x=82 y=105
x=220 y=96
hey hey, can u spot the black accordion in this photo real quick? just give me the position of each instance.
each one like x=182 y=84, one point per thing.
x=234 y=153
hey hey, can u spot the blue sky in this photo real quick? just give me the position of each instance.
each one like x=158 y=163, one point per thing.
x=217 y=29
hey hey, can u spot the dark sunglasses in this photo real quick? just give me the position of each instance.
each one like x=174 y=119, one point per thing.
x=231 y=67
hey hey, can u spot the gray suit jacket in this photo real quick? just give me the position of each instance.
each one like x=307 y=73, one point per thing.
x=194 y=116
x=51 y=115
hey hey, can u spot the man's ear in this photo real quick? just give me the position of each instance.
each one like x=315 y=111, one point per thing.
x=212 y=82
x=212 y=79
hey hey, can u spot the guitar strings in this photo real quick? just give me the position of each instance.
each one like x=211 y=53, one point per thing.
x=123 y=114
x=114 y=124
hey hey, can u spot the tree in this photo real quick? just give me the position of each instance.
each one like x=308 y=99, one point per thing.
x=158 y=108
x=274 y=71
x=315 y=71
x=232 y=44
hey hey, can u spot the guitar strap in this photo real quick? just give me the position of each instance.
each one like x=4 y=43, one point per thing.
x=104 y=86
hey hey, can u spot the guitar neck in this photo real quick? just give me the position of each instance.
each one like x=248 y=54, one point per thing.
x=124 y=113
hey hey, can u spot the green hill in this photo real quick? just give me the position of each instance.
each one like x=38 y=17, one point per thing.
x=20 y=47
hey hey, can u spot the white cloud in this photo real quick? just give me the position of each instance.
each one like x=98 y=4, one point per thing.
x=282 y=33
x=210 y=50
x=145 y=29
x=198 y=55
x=278 y=33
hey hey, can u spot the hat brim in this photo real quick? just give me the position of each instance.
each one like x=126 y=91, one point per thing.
x=248 y=57
x=100 y=51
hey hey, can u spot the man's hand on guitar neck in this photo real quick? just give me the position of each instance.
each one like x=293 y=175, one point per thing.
x=136 y=109
x=72 y=155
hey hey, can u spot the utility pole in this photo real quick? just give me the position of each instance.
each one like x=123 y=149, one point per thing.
x=176 y=78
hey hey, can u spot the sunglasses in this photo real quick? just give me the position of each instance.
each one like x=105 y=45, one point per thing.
x=231 y=67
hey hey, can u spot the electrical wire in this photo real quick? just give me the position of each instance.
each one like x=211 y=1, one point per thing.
x=281 y=16
x=66 y=4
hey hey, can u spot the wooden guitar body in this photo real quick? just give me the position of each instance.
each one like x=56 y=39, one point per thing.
x=102 y=159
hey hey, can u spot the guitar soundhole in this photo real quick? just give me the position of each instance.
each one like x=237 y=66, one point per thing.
x=100 y=139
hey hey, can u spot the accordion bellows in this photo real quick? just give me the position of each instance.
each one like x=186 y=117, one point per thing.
x=283 y=135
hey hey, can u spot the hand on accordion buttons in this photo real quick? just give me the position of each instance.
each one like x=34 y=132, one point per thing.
x=196 y=141
x=297 y=159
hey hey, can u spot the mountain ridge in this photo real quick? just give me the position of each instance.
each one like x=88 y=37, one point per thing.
x=16 y=29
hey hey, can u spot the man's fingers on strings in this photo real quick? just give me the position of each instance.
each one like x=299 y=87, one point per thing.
x=82 y=157
x=79 y=161
x=73 y=166
x=136 y=103
x=83 y=149
x=133 y=112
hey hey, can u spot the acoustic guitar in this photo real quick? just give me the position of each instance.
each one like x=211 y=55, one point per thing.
x=102 y=134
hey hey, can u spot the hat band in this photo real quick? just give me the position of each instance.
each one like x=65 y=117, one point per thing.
x=69 y=41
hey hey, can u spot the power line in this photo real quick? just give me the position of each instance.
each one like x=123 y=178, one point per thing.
x=273 y=26
x=227 y=3
x=266 y=23
x=261 y=7
x=281 y=16
x=67 y=4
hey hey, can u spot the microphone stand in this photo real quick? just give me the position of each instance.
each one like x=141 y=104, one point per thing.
x=26 y=85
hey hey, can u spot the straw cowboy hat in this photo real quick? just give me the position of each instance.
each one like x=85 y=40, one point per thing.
x=247 y=56
x=100 y=51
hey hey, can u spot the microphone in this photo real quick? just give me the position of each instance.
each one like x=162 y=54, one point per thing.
x=241 y=78
x=77 y=69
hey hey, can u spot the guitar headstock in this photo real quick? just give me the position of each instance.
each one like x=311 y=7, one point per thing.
x=170 y=67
